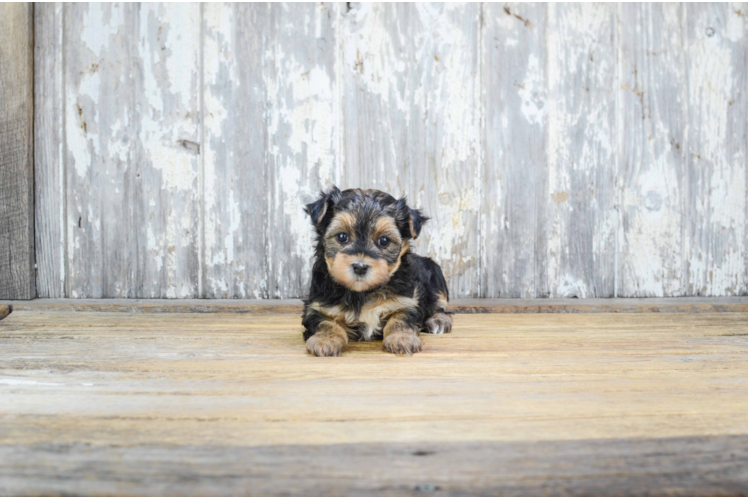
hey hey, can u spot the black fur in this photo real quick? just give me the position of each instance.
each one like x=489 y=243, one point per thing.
x=414 y=270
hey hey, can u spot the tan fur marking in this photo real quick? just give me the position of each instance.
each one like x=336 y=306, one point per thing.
x=412 y=229
x=380 y=272
x=441 y=301
x=399 y=338
x=342 y=222
x=335 y=313
x=380 y=306
x=329 y=340
x=397 y=323
x=341 y=271
x=386 y=226
x=377 y=307
x=394 y=267
x=322 y=214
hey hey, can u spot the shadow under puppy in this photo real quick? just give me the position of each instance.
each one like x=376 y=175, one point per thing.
x=366 y=285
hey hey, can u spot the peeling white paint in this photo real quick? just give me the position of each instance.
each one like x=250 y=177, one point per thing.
x=392 y=97
x=11 y=381
x=581 y=151
x=531 y=90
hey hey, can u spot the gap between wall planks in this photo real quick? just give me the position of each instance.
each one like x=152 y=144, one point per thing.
x=17 y=280
x=562 y=150
x=457 y=306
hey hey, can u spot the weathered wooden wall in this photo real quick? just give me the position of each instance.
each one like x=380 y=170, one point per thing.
x=17 y=280
x=562 y=150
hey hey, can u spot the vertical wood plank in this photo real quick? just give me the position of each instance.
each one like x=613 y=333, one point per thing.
x=166 y=196
x=717 y=80
x=653 y=150
x=17 y=278
x=234 y=150
x=100 y=143
x=581 y=204
x=412 y=121
x=132 y=136
x=302 y=133
x=513 y=236
x=48 y=150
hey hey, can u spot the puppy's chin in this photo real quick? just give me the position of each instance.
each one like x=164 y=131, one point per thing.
x=360 y=285
x=342 y=272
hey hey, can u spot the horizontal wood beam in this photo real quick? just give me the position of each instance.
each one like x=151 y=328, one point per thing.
x=459 y=306
x=17 y=280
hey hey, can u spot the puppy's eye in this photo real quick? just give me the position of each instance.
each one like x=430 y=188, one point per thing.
x=342 y=238
x=383 y=242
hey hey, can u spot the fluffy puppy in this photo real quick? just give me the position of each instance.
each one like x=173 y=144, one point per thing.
x=366 y=284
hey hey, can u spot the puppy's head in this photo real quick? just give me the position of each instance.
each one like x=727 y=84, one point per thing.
x=363 y=234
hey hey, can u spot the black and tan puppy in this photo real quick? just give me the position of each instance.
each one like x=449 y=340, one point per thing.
x=366 y=285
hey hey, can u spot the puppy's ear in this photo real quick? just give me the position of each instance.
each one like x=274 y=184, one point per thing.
x=409 y=220
x=320 y=208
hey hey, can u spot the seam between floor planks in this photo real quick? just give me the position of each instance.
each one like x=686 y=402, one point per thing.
x=459 y=306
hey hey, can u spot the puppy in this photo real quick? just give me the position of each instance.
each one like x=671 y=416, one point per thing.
x=366 y=285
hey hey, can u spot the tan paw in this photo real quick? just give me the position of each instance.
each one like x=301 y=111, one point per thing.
x=325 y=345
x=402 y=343
x=439 y=323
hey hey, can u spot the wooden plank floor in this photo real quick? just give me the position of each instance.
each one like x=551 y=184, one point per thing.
x=97 y=403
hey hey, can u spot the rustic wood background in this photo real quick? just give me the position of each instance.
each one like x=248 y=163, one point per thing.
x=16 y=152
x=562 y=150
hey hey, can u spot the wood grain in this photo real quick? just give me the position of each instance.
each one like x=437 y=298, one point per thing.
x=716 y=61
x=459 y=306
x=512 y=403
x=684 y=466
x=515 y=171
x=412 y=121
x=653 y=184
x=101 y=148
x=17 y=278
x=164 y=167
x=561 y=150
x=234 y=174
x=580 y=206
x=49 y=149
x=302 y=126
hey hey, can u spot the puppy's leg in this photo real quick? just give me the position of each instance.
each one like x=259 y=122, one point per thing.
x=329 y=340
x=439 y=322
x=401 y=334
x=324 y=336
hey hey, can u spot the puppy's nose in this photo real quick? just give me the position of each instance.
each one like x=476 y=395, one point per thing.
x=360 y=268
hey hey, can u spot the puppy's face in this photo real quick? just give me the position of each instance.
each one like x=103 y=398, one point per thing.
x=364 y=235
x=362 y=250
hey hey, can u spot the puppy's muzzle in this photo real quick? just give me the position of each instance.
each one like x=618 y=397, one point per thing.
x=360 y=268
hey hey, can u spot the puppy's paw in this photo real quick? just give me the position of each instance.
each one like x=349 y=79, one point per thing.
x=402 y=343
x=325 y=345
x=439 y=323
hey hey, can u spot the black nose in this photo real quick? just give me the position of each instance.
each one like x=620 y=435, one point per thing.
x=360 y=268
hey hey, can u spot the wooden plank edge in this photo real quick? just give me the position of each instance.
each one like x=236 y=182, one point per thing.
x=17 y=275
x=458 y=306
x=5 y=310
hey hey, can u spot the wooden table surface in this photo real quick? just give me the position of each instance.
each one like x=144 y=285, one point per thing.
x=99 y=403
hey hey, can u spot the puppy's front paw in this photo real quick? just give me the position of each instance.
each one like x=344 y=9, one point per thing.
x=402 y=343
x=325 y=345
x=439 y=323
